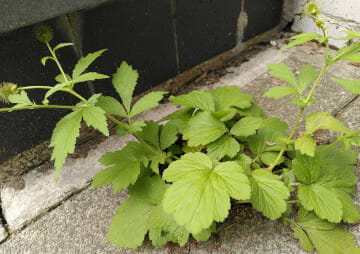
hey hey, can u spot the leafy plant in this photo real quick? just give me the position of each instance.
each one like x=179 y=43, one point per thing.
x=184 y=172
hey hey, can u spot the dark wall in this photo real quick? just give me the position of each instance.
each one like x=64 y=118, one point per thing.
x=160 y=38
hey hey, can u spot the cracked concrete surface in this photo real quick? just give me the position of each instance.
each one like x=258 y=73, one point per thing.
x=70 y=217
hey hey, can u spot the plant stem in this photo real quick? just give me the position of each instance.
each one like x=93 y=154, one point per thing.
x=306 y=102
x=287 y=141
x=34 y=87
x=40 y=106
x=339 y=140
x=56 y=61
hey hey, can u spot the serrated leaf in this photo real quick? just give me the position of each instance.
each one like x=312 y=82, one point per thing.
x=149 y=101
x=111 y=106
x=279 y=92
x=347 y=50
x=21 y=99
x=124 y=166
x=326 y=237
x=200 y=194
x=269 y=157
x=268 y=193
x=64 y=137
x=322 y=120
x=253 y=110
x=322 y=201
x=124 y=81
x=62 y=45
x=95 y=117
x=306 y=168
x=274 y=124
x=307 y=75
x=45 y=58
x=168 y=135
x=84 y=63
x=300 y=39
x=224 y=146
x=282 y=71
x=246 y=126
x=306 y=145
x=349 y=84
x=89 y=76
x=195 y=99
x=203 y=128
x=130 y=224
x=227 y=97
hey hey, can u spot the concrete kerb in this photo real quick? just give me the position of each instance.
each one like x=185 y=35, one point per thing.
x=78 y=171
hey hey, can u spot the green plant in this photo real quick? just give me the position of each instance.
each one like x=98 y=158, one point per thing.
x=183 y=172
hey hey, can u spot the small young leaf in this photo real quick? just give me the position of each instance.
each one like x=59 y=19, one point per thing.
x=283 y=72
x=279 y=92
x=64 y=137
x=21 y=99
x=84 y=63
x=60 y=78
x=224 y=146
x=306 y=145
x=54 y=89
x=307 y=75
x=95 y=116
x=195 y=99
x=349 y=84
x=45 y=58
x=149 y=101
x=246 y=126
x=136 y=126
x=327 y=238
x=61 y=45
x=322 y=120
x=111 y=106
x=124 y=81
x=89 y=76
x=203 y=128
x=268 y=193
x=300 y=39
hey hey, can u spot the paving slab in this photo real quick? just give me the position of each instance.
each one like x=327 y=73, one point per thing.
x=79 y=224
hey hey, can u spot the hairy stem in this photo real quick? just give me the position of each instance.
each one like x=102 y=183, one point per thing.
x=339 y=140
x=40 y=106
x=57 y=61
x=288 y=141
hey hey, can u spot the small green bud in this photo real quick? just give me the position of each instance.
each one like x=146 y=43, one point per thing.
x=7 y=89
x=312 y=9
x=43 y=32
x=320 y=23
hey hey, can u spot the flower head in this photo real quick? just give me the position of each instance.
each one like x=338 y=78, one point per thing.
x=312 y=9
x=43 y=32
x=7 y=89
